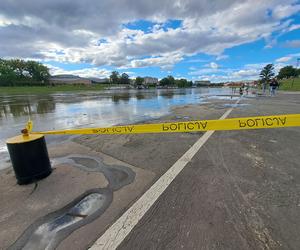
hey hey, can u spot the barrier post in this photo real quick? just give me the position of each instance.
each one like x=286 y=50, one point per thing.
x=29 y=157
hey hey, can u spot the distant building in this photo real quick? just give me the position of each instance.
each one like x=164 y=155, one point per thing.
x=69 y=79
x=239 y=84
x=150 y=81
x=202 y=83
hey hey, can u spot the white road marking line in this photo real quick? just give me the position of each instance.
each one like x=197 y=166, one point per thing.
x=117 y=232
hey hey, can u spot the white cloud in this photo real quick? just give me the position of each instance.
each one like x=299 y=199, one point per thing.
x=85 y=72
x=247 y=72
x=5 y=21
x=165 y=62
x=282 y=11
x=199 y=72
x=196 y=60
x=208 y=69
x=221 y=57
x=283 y=59
x=70 y=31
x=293 y=44
x=294 y=27
x=231 y=75
x=213 y=65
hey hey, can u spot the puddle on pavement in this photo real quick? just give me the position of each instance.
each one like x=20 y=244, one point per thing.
x=46 y=235
x=48 y=231
x=224 y=97
x=117 y=176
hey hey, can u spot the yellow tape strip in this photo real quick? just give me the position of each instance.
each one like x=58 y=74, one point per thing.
x=258 y=122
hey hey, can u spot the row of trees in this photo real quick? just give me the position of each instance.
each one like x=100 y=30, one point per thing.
x=116 y=78
x=171 y=81
x=288 y=72
x=168 y=81
x=268 y=72
x=21 y=72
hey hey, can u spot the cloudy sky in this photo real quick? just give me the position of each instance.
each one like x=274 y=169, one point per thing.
x=217 y=40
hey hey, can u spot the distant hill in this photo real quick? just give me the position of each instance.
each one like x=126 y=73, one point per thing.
x=68 y=78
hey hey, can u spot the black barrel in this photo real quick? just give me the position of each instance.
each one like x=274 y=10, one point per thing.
x=29 y=157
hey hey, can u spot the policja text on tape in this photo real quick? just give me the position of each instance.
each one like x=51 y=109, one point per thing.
x=258 y=122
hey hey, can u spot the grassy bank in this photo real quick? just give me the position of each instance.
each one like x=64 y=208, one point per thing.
x=288 y=85
x=51 y=89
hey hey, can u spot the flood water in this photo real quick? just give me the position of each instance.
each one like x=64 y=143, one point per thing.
x=90 y=109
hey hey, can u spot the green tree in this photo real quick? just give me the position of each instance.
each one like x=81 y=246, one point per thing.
x=183 y=83
x=37 y=71
x=267 y=73
x=18 y=65
x=20 y=72
x=115 y=77
x=171 y=80
x=167 y=81
x=164 y=81
x=287 y=72
x=124 y=79
x=139 y=81
x=7 y=74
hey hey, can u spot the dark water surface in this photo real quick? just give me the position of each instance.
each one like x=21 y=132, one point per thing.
x=90 y=109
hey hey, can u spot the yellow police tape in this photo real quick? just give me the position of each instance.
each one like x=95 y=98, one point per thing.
x=258 y=122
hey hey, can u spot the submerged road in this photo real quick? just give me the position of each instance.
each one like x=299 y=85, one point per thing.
x=239 y=191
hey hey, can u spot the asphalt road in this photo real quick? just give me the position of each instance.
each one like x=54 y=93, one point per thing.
x=240 y=191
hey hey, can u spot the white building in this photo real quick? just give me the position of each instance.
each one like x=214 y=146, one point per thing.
x=150 y=80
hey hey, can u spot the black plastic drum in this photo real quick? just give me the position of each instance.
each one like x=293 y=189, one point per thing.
x=29 y=157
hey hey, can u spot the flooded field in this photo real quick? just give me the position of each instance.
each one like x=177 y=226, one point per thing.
x=90 y=109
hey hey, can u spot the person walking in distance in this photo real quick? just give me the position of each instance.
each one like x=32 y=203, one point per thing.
x=273 y=86
x=241 y=89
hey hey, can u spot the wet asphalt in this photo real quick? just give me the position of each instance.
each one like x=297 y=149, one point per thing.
x=240 y=191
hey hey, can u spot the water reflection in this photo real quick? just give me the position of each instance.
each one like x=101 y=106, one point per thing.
x=45 y=105
x=168 y=95
x=21 y=105
x=121 y=97
x=91 y=109
x=4 y=111
x=26 y=107
x=140 y=96
x=15 y=109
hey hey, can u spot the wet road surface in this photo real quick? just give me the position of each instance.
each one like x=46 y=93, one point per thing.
x=241 y=191
x=91 y=109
